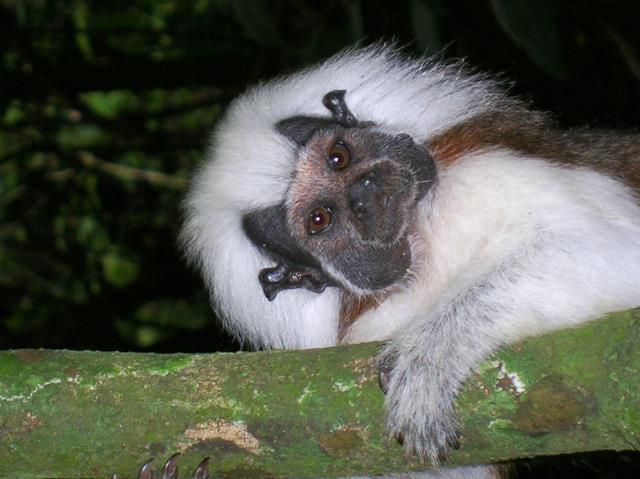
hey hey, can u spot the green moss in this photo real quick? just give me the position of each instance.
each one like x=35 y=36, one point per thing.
x=313 y=413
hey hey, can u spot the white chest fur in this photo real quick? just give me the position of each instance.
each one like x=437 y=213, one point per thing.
x=574 y=232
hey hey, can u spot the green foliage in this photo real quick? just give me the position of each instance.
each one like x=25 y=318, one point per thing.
x=111 y=104
x=120 y=270
x=90 y=186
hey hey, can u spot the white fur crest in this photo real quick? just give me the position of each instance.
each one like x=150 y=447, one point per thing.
x=249 y=166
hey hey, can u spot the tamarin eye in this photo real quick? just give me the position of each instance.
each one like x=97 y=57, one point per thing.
x=319 y=220
x=339 y=156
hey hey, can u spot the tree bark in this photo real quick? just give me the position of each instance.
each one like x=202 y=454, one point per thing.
x=313 y=413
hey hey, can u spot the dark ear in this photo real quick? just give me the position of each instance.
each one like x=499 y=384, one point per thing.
x=267 y=228
x=296 y=268
x=334 y=102
x=301 y=128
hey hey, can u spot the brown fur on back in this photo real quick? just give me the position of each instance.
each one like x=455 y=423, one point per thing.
x=615 y=154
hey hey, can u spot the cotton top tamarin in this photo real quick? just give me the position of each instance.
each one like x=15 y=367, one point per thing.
x=374 y=197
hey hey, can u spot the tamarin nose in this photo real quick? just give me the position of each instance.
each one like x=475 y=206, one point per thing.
x=366 y=196
x=373 y=201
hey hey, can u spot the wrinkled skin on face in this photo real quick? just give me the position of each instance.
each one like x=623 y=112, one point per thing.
x=349 y=209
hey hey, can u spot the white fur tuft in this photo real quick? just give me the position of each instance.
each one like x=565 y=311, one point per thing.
x=249 y=166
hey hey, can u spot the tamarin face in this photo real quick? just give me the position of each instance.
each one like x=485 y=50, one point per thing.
x=348 y=207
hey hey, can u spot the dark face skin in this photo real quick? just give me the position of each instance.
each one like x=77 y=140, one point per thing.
x=349 y=209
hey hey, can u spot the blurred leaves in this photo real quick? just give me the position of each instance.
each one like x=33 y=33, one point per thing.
x=90 y=186
x=120 y=269
x=111 y=104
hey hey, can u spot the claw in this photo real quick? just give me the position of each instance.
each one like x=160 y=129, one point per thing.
x=170 y=469
x=455 y=442
x=385 y=366
x=146 y=471
x=202 y=471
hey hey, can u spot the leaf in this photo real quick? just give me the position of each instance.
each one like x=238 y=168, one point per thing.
x=70 y=137
x=173 y=313
x=111 y=104
x=119 y=269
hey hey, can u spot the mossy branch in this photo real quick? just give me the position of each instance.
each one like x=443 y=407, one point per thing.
x=314 y=413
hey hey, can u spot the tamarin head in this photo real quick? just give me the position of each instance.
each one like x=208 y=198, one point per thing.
x=347 y=213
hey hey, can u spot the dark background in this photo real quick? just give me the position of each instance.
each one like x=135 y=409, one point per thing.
x=106 y=108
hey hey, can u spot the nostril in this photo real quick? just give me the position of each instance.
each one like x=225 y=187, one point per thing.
x=358 y=208
x=365 y=196
x=369 y=181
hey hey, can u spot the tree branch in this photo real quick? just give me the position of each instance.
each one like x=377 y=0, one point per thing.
x=313 y=413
